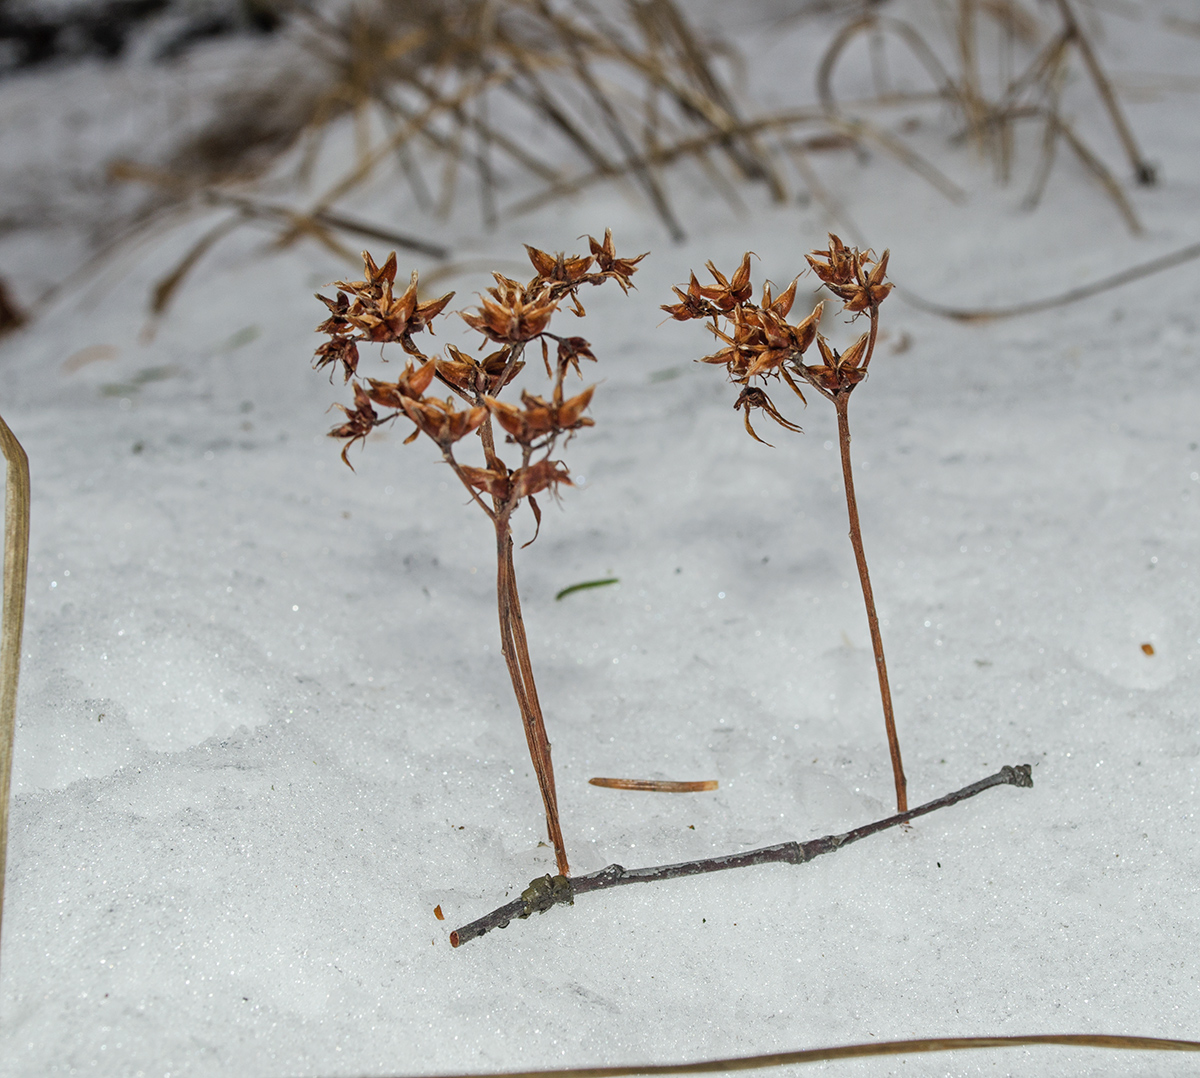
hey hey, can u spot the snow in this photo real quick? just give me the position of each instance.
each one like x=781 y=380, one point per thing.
x=264 y=727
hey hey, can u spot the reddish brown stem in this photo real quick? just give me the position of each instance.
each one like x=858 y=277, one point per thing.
x=515 y=647
x=842 y=403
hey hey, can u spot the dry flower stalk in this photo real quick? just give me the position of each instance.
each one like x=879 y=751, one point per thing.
x=759 y=343
x=510 y=316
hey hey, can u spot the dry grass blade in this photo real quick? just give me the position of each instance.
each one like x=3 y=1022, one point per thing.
x=319 y=225
x=1099 y=170
x=989 y=121
x=862 y=130
x=165 y=288
x=656 y=786
x=617 y=93
x=875 y=1049
x=684 y=148
x=16 y=563
x=1073 y=295
x=662 y=20
x=1143 y=170
x=917 y=45
x=634 y=164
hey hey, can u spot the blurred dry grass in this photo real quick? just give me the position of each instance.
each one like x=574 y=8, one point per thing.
x=516 y=102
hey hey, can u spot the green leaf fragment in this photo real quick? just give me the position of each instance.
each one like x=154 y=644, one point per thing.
x=587 y=584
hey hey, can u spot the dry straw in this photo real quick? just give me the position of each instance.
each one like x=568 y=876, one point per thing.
x=873 y=1049
x=440 y=95
x=16 y=562
x=510 y=317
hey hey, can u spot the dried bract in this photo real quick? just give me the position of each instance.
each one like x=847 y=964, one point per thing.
x=360 y=421
x=752 y=397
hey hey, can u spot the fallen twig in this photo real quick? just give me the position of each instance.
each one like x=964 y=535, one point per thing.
x=1073 y=295
x=548 y=891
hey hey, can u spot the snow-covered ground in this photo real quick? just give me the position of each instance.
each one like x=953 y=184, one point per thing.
x=264 y=727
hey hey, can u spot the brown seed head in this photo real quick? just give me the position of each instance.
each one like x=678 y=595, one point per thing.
x=493 y=481
x=472 y=375
x=855 y=277
x=538 y=477
x=337 y=322
x=752 y=397
x=728 y=293
x=341 y=350
x=441 y=420
x=838 y=372
x=539 y=418
x=619 y=269
x=571 y=350
x=560 y=268
x=360 y=421
x=693 y=303
x=507 y=315
x=837 y=264
x=411 y=385
x=783 y=304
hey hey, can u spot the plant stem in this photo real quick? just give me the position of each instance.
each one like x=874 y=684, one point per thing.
x=544 y=893
x=515 y=647
x=16 y=561
x=841 y=402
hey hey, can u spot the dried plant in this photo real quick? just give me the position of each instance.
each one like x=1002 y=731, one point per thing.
x=441 y=94
x=758 y=343
x=510 y=315
x=1022 y=83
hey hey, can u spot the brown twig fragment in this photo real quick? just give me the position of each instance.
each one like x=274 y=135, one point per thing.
x=660 y=786
x=547 y=891
x=511 y=316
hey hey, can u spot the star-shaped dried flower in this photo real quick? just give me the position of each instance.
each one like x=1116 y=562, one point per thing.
x=693 y=303
x=837 y=264
x=472 y=376
x=441 y=420
x=560 y=268
x=728 y=293
x=360 y=421
x=838 y=372
x=844 y=272
x=539 y=417
x=619 y=269
x=341 y=350
x=507 y=316
x=753 y=397
x=411 y=385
